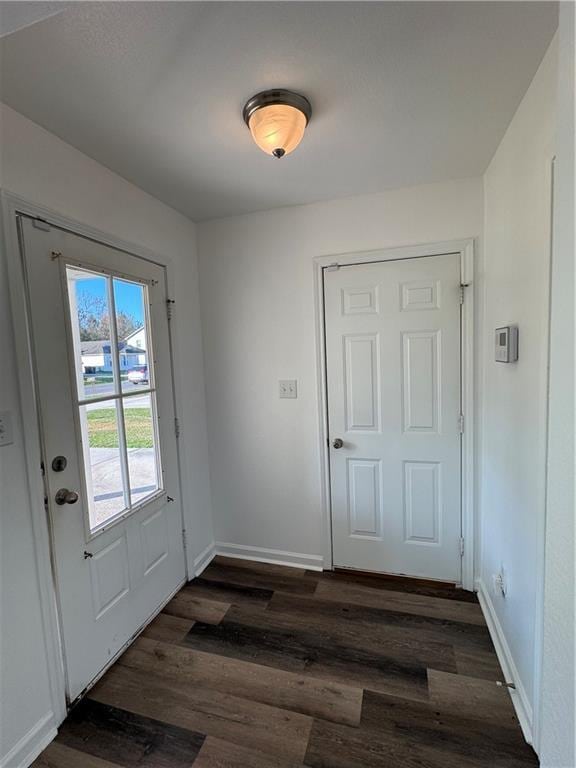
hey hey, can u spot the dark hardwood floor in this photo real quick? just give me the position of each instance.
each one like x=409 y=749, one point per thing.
x=261 y=666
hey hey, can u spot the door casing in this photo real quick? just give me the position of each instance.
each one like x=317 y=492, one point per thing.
x=465 y=249
x=12 y=205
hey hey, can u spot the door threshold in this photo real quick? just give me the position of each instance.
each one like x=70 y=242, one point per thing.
x=383 y=575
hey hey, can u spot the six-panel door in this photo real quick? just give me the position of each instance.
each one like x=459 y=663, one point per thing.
x=393 y=373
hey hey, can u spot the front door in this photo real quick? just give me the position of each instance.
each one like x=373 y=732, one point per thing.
x=393 y=372
x=101 y=346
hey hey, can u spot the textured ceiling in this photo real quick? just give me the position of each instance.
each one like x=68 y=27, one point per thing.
x=402 y=92
x=17 y=14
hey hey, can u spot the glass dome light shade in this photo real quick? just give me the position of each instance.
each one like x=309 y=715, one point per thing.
x=277 y=128
x=277 y=120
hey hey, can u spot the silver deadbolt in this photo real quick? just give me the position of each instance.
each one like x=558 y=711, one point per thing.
x=64 y=496
x=337 y=442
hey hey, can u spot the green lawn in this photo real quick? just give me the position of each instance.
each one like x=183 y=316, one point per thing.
x=92 y=379
x=103 y=433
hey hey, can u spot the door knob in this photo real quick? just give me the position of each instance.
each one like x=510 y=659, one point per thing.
x=337 y=442
x=64 y=496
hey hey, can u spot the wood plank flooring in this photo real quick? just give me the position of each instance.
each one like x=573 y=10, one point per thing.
x=262 y=666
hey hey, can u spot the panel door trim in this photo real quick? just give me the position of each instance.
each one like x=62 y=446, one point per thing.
x=465 y=248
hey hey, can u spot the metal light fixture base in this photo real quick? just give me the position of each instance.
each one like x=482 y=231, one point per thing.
x=277 y=96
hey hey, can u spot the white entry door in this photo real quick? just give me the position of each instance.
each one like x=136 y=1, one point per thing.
x=393 y=371
x=101 y=348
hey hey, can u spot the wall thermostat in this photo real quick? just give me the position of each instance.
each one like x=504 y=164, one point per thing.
x=506 y=344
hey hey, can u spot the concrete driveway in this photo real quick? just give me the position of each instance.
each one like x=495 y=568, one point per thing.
x=107 y=480
x=136 y=401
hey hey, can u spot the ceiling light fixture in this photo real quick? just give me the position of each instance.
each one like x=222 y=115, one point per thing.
x=277 y=120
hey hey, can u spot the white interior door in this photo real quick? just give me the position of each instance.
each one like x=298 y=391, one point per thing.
x=393 y=371
x=101 y=345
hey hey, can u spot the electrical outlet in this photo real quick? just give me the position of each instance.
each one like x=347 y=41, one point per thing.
x=499 y=583
x=287 y=388
x=6 y=428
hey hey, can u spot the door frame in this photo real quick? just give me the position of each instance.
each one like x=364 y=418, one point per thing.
x=465 y=249
x=11 y=206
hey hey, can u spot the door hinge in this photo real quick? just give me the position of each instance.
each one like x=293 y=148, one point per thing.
x=177 y=427
x=461 y=546
x=41 y=224
x=463 y=287
x=169 y=308
x=332 y=267
x=461 y=423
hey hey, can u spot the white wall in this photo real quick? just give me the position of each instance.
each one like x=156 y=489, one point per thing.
x=257 y=297
x=41 y=168
x=517 y=206
x=558 y=710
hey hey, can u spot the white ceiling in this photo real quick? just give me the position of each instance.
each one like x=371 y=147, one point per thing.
x=402 y=92
x=19 y=14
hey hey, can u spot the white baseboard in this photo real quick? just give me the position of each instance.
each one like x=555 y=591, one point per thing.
x=518 y=695
x=204 y=559
x=25 y=751
x=274 y=556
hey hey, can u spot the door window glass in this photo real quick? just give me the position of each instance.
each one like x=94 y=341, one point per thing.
x=101 y=431
x=140 y=441
x=113 y=368
x=90 y=315
x=133 y=341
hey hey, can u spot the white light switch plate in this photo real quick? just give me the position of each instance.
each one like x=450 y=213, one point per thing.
x=6 y=428
x=288 y=388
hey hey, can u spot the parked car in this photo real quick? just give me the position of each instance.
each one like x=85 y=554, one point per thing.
x=138 y=375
